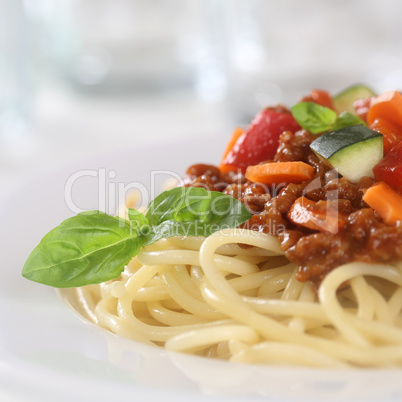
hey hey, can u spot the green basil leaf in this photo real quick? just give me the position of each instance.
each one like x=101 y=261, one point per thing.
x=138 y=221
x=94 y=247
x=313 y=117
x=347 y=119
x=91 y=247
x=192 y=211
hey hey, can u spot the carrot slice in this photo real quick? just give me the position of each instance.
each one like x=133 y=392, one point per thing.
x=233 y=139
x=388 y=106
x=280 y=172
x=321 y=216
x=386 y=201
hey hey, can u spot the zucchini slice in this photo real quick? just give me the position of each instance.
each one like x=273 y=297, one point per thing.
x=353 y=151
x=343 y=102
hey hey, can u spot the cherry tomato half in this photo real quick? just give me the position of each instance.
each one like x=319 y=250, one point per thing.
x=260 y=140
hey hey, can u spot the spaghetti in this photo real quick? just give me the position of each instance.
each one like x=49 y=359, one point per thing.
x=304 y=269
x=213 y=298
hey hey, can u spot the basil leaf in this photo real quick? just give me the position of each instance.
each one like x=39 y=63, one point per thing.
x=91 y=247
x=138 y=221
x=313 y=117
x=346 y=119
x=192 y=211
x=94 y=247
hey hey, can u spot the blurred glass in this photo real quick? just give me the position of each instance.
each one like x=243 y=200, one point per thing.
x=277 y=51
x=14 y=76
x=123 y=45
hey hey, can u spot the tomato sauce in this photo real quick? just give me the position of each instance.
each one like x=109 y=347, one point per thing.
x=363 y=235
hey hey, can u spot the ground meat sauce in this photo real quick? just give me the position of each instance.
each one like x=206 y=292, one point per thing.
x=364 y=237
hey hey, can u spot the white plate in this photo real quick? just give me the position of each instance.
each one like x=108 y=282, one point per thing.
x=48 y=354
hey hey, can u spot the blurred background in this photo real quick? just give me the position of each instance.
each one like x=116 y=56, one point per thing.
x=84 y=77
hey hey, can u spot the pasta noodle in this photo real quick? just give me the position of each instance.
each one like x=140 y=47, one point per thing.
x=214 y=297
x=316 y=282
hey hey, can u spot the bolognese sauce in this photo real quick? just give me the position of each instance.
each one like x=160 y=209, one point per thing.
x=362 y=236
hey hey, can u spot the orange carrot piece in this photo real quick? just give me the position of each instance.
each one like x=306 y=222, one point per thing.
x=280 y=172
x=386 y=201
x=322 y=216
x=388 y=106
x=233 y=139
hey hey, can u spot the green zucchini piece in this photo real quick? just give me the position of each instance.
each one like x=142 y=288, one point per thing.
x=353 y=151
x=343 y=102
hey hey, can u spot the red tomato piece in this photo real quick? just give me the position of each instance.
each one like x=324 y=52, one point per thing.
x=389 y=169
x=391 y=132
x=320 y=97
x=261 y=139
